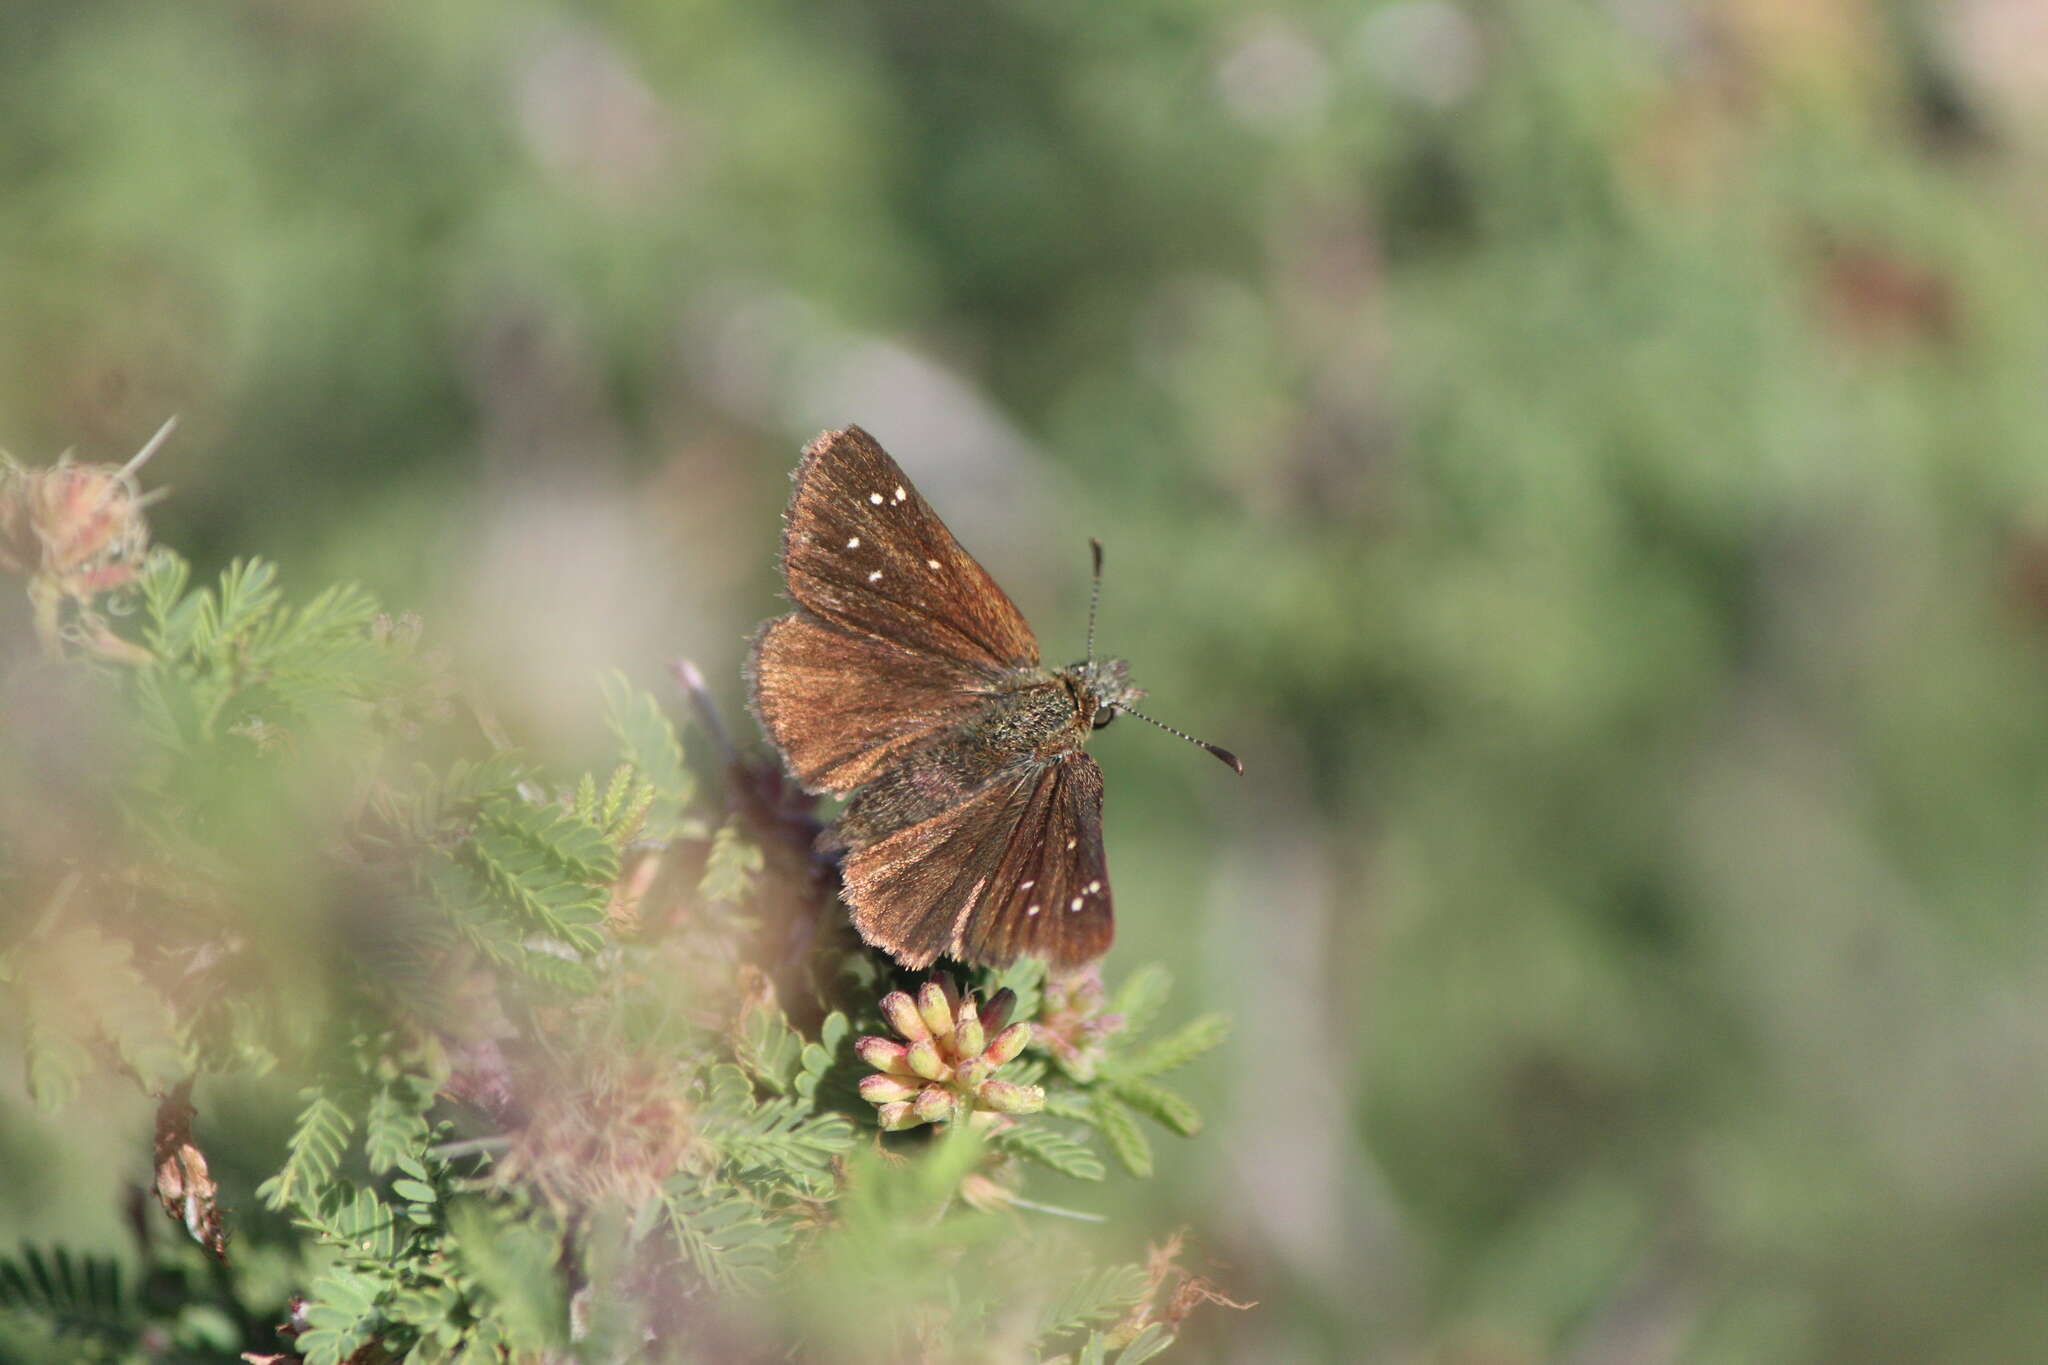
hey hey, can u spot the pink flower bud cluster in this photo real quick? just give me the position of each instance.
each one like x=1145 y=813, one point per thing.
x=945 y=1067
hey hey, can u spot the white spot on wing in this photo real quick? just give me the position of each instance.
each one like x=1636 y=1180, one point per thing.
x=931 y=563
x=875 y=498
x=1070 y=845
x=1026 y=886
x=1073 y=905
x=1094 y=886
x=900 y=494
x=875 y=577
x=1031 y=910
x=853 y=544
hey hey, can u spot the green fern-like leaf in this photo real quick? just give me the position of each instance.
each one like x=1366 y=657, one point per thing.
x=82 y=986
x=730 y=868
x=576 y=846
x=1053 y=1149
x=511 y=1260
x=72 y=1295
x=1142 y=996
x=552 y=865
x=395 y=1125
x=358 y=1222
x=726 y=1239
x=1097 y=1297
x=469 y=784
x=767 y=1047
x=342 y=1315
x=1176 y=1049
x=314 y=1153
x=648 y=741
x=1159 y=1104
x=1147 y=1345
x=1123 y=1135
x=781 y=1141
x=168 y=612
x=621 y=812
x=247 y=590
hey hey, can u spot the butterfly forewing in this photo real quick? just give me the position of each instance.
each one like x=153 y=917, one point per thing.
x=865 y=552
x=846 y=707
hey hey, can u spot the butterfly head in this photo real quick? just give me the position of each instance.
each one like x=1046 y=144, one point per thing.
x=1103 y=688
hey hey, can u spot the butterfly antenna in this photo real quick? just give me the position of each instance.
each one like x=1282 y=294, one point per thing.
x=1094 y=595
x=1216 y=749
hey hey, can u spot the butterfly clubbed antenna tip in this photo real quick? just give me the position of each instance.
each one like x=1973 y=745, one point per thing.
x=1216 y=749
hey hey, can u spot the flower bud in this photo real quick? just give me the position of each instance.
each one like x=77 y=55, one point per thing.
x=968 y=1039
x=880 y=1089
x=1010 y=1042
x=972 y=1072
x=1006 y=1097
x=901 y=1012
x=935 y=1009
x=925 y=1060
x=996 y=1012
x=896 y=1117
x=883 y=1054
x=933 y=1105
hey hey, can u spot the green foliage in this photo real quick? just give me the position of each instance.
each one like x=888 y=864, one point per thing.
x=726 y=1239
x=551 y=864
x=82 y=989
x=647 y=741
x=1096 y=1297
x=314 y=1154
x=770 y=1143
x=731 y=868
x=512 y=1123
x=1051 y=1148
x=75 y=1296
x=1107 y=1081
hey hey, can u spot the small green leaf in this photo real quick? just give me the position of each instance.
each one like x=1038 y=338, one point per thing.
x=1145 y=1345
x=1141 y=996
x=1176 y=1049
x=730 y=867
x=1123 y=1135
x=648 y=741
x=1096 y=1297
x=1054 y=1149
x=1159 y=1103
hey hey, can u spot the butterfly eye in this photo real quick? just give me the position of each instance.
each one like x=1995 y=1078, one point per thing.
x=1104 y=715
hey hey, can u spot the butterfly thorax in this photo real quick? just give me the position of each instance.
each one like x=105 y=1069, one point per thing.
x=1034 y=717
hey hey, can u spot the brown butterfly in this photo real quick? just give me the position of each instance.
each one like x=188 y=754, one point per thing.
x=908 y=679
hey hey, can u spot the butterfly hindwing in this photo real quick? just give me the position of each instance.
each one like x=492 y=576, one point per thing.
x=913 y=890
x=1050 y=896
x=1016 y=868
x=865 y=552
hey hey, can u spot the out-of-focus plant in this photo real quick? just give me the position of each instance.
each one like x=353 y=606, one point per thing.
x=573 y=1063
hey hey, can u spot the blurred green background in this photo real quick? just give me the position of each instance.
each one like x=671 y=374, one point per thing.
x=1587 y=458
